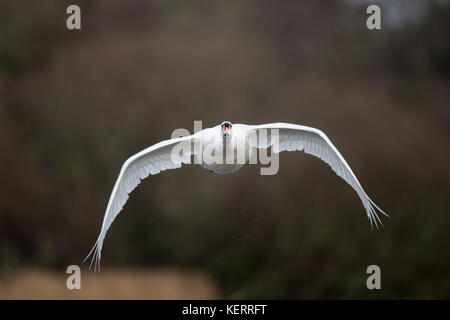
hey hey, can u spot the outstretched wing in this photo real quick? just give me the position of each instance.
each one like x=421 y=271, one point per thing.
x=152 y=161
x=294 y=137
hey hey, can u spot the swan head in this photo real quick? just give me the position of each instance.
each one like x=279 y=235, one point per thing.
x=226 y=128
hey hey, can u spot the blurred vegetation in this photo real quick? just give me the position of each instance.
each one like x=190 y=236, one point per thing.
x=75 y=104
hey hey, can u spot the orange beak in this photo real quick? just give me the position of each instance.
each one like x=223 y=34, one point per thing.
x=226 y=130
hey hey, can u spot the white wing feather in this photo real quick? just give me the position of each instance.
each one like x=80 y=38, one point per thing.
x=152 y=161
x=313 y=141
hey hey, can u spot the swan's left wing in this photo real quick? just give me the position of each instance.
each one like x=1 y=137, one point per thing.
x=294 y=137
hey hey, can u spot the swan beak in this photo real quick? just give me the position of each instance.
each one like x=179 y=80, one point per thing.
x=226 y=130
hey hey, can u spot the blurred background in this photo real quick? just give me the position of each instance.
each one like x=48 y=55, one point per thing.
x=74 y=105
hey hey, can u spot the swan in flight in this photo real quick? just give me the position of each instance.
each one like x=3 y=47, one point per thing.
x=223 y=142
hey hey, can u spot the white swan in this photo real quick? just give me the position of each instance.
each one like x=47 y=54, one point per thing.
x=220 y=142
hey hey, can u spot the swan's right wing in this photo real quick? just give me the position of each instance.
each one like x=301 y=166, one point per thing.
x=152 y=161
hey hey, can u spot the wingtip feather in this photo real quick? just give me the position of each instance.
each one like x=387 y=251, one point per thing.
x=372 y=214
x=96 y=257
